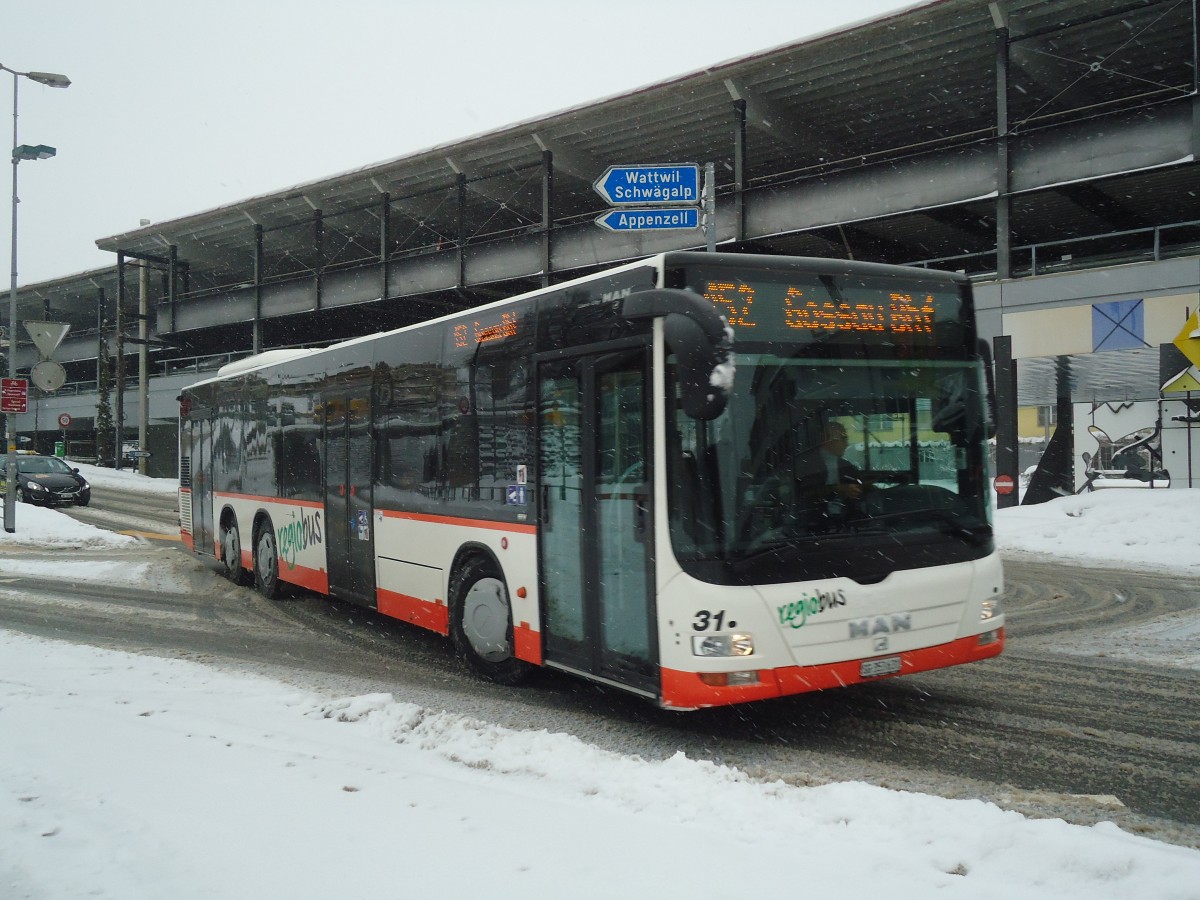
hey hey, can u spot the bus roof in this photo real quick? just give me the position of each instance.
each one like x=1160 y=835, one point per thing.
x=277 y=357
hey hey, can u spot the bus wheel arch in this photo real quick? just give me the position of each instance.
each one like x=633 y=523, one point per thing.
x=265 y=557
x=231 y=548
x=481 y=623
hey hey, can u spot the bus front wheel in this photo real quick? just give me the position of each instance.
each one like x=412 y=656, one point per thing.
x=266 y=561
x=481 y=622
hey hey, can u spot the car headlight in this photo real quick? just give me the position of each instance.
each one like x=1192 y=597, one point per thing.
x=990 y=608
x=84 y=485
x=723 y=645
x=33 y=486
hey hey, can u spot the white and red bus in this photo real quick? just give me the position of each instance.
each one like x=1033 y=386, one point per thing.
x=608 y=477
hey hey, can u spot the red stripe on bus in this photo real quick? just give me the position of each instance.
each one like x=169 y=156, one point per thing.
x=434 y=616
x=460 y=522
x=527 y=644
x=685 y=690
x=187 y=541
x=312 y=579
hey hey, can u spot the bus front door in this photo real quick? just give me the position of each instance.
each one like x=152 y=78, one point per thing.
x=596 y=520
x=349 y=537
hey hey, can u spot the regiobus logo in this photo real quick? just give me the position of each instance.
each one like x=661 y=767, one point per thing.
x=796 y=613
x=299 y=535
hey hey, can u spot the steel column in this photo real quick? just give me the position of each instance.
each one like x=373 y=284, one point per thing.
x=256 y=325
x=547 y=212
x=172 y=282
x=739 y=170
x=1006 y=417
x=1196 y=79
x=319 y=246
x=1003 y=202
x=385 y=241
x=100 y=301
x=460 y=235
x=119 y=424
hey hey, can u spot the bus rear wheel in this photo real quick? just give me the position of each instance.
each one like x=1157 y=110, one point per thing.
x=481 y=622
x=266 y=561
x=231 y=553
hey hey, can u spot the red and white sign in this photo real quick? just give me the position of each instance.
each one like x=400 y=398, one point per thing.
x=1003 y=484
x=14 y=395
x=64 y=420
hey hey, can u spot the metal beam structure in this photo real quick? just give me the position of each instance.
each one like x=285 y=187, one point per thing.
x=1007 y=140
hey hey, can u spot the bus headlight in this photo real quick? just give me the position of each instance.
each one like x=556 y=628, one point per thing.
x=723 y=645
x=990 y=609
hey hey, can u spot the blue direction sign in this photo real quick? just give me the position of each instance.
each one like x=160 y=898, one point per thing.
x=654 y=218
x=650 y=185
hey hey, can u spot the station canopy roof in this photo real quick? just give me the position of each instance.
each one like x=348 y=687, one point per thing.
x=914 y=81
x=908 y=82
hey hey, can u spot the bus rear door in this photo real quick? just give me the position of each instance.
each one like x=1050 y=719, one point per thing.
x=349 y=536
x=596 y=549
x=199 y=430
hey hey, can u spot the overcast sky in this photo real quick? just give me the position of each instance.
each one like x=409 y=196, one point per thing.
x=179 y=107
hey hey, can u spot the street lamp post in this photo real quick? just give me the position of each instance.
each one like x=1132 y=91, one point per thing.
x=19 y=152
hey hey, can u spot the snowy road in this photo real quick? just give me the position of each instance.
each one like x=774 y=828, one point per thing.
x=1051 y=728
x=121 y=511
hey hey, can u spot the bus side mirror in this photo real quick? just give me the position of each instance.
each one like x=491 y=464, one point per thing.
x=701 y=342
x=703 y=383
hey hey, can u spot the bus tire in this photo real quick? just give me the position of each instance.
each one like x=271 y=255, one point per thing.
x=481 y=622
x=266 y=561
x=231 y=552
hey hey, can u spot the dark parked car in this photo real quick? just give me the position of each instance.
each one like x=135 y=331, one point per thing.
x=48 y=481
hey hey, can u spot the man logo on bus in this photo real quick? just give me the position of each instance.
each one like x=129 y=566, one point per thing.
x=881 y=625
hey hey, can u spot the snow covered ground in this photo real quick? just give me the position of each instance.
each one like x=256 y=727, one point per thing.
x=125 y=776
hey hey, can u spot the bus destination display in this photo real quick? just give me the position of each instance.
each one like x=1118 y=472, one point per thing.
x=770 y=310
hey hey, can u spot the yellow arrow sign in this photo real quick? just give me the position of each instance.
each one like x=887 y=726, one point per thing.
x=1184 y=381
x=1188 y=340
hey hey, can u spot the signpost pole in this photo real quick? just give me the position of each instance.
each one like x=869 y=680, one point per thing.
x=710 y=206
x=14 y=400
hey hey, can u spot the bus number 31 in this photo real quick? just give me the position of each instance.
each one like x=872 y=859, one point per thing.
x=705 y=620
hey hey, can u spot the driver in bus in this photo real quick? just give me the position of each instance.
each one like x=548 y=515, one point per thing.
x=825 y=473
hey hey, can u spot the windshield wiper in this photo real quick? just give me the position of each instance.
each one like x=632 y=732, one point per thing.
x=958 y=526
x=786 y=545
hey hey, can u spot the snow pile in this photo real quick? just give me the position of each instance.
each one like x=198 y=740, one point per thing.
x=1146 y=530
x=52 y=530
x=133 y=777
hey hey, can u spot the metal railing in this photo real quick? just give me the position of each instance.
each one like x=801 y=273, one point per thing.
x=1151 y=244
x=195 y=365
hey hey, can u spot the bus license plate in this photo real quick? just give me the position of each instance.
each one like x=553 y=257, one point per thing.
x=874 y=668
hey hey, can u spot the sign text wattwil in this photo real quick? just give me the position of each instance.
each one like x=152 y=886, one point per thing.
x=650 y=185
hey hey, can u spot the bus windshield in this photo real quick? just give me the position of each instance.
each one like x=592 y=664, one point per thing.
x=842 y=453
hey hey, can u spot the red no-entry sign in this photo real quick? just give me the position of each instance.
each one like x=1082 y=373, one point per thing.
x=14 y=395
x=1003 y=484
